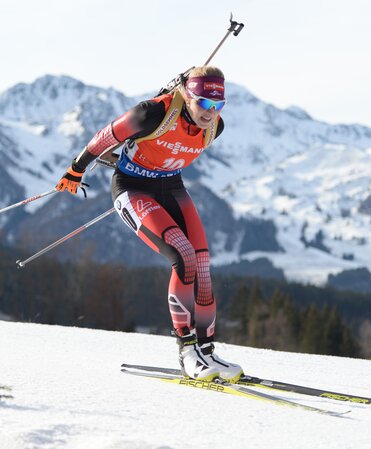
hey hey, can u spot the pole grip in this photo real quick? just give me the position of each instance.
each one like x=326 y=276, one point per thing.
x=234 y=28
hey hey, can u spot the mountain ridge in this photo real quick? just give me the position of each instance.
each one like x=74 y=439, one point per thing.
x=301 y=182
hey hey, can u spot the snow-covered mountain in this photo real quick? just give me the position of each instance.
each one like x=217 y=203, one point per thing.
x=276 y=185
x=69 y=393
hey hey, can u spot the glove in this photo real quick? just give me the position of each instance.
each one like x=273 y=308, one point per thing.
x=71 y=180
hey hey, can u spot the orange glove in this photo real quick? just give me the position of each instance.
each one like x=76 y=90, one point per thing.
x=71 y=180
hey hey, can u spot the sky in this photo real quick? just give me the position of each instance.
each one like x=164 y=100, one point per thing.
x=314 y=54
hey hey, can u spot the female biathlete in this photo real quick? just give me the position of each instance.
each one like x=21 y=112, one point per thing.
x=160 y=137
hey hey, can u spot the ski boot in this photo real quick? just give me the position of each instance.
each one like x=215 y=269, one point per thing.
x=230 y=372
x=193 y=364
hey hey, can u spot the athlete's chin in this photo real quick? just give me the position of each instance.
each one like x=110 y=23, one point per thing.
x=204 y=123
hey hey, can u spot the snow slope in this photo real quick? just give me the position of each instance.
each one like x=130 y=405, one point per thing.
x=69 y=393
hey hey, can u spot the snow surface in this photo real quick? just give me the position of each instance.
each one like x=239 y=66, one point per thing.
x=69 y=393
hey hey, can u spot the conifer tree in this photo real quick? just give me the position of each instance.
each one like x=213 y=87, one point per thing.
x=258 y=313
x=312 y=335
x=332 y=332
x=349 y=347
x=238 y=314
x=284 y=324
x=337 y=336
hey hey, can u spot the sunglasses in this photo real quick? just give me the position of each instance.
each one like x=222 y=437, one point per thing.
x=207 y=103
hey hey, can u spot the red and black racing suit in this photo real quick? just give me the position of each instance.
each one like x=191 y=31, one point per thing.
x=149 y=196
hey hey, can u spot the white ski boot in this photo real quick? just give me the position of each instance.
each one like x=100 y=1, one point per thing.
x=193 y=363
x=230 y=372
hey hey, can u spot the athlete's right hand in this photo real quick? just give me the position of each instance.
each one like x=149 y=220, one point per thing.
x=71 y=180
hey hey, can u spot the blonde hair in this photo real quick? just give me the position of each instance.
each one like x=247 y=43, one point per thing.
x=205 y=70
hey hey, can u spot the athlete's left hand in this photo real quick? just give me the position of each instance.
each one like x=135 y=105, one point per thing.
x=71 y=180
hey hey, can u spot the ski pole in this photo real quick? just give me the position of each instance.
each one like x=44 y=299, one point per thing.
x=22 y=263
x=104 y=163
x=28 y=200
x=235 y=27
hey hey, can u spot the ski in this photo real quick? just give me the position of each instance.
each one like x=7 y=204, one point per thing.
x=271 y=385
x=220 y=386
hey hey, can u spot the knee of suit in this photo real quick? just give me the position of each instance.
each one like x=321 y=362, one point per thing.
x=182 y=255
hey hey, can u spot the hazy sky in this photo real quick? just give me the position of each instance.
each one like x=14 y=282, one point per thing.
x=315 y=54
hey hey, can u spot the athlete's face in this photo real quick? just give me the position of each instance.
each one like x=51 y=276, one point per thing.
x=202 y=117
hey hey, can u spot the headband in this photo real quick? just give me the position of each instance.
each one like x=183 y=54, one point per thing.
x=207 y=86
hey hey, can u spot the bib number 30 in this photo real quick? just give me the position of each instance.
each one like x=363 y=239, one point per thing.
x=173 y=164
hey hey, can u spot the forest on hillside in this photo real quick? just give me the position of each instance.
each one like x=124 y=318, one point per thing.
x=251 y=311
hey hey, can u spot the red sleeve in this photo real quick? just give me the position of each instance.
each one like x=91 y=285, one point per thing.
x=103 y=140
x=112 y=134
x=142 y=120
x=125 y=126
x=139 y=121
